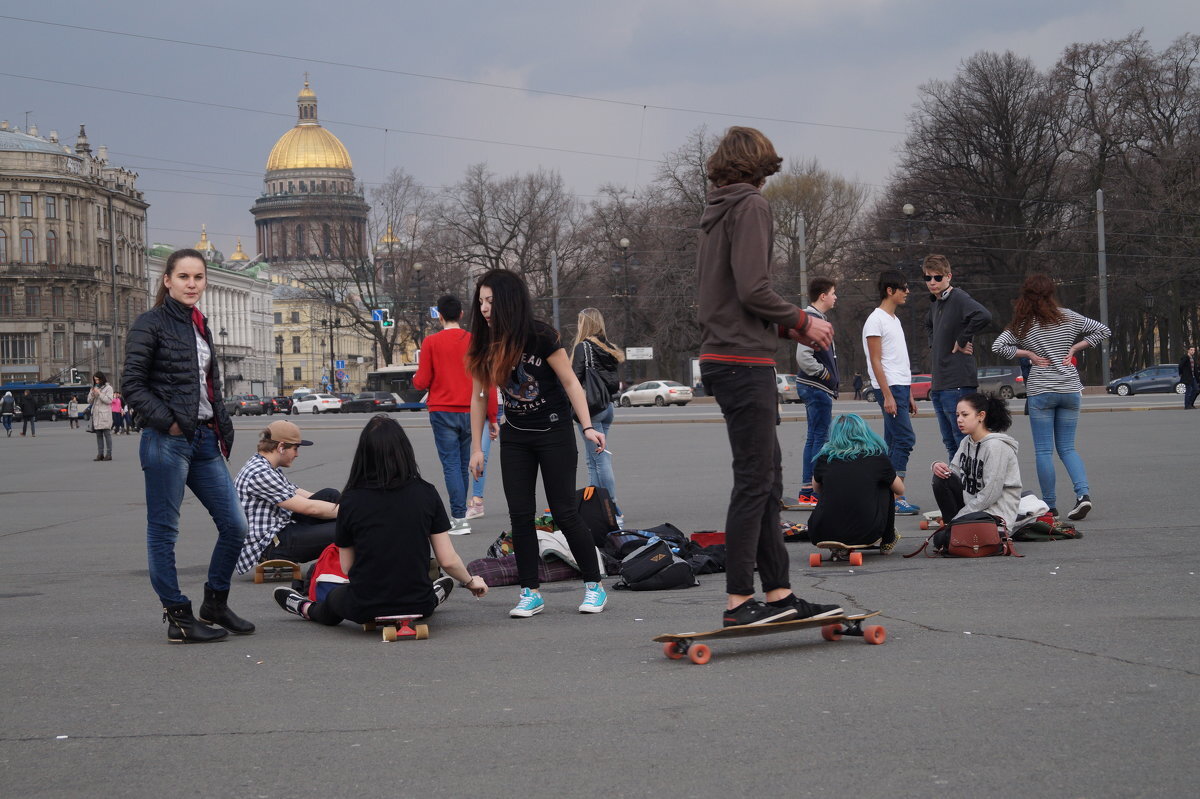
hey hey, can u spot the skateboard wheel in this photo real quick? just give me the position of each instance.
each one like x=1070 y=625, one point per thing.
x=422 y=631
x=874 y=634
x=674 y=651
x=814 y=559
x=699 y=654
x=389 y=634
x=924 y=524
x=369 y=627
x=832 y=632
x=855 y=558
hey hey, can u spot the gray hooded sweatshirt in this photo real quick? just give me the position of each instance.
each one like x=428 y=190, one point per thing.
x=990 y=476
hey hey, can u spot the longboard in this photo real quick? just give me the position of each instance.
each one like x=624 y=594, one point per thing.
x=680 y=645
x=397 y=628
x=933 y=519
x=845 y=552
x=275 y=571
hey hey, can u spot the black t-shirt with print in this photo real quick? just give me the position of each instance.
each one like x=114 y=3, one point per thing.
x=389 y=530
x=856 y=504
x=534 y=396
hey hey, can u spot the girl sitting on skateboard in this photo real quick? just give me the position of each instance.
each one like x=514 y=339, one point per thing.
x=388 y=519
x=984 y=476
x=857 y=485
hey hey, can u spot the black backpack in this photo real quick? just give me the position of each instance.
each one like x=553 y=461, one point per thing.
x=654 y=567
x=597 y=511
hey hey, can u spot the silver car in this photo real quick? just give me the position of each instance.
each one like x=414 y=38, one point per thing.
x=657 y=392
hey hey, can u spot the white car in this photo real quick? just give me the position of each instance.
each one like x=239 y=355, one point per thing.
x=786 y=385
x=316 y=403
x=657 y=392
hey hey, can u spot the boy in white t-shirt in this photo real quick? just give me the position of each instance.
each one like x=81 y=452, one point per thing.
x=891 y=376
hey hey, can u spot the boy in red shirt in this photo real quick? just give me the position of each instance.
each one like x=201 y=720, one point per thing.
x=443 y=372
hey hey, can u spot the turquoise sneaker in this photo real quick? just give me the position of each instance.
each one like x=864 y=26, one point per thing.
x=594 y=598
x=531 y=604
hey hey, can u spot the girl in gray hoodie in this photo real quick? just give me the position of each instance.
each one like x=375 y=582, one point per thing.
x=984 y=476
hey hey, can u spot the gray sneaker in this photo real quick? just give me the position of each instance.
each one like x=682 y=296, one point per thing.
x=460 y=527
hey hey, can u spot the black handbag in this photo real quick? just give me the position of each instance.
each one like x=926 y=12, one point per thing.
x=595 y=390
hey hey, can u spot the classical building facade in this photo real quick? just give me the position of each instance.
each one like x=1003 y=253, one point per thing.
x=237 y=303
x=72 y=266
x=304 y=331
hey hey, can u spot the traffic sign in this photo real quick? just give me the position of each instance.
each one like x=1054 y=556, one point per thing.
x=639 y=353
x=378 y=315
x=433 y=312
x=339 y=365
x=341 y=375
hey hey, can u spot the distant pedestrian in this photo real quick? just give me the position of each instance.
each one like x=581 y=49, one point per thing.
x=1189 y=375
x=28 y=406
x=952 y=322
x=858 y=385
x=889 y=369
x=1049 y=336
x=817 y=386
x=172 y=378
x=130 y=427
x=591 y=350
x=101 y=397
x=525 y=357
x=118 y=414
x=73 y=412
x=8 y=406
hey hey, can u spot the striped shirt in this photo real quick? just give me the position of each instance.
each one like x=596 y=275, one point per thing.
x=1052 y=342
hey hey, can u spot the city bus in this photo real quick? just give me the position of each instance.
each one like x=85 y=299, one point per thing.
x=398 y=379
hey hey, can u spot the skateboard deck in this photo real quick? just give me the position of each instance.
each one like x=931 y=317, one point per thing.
x=840 y=551
x=397 y=628
x=274 y=571
x=933 y=519
x=680 y=645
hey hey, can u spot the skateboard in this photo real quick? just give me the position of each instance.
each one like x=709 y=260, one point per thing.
x=840 y=551
x=933 y=519
x=396 y=628
x=275 y=571
x=681 y=645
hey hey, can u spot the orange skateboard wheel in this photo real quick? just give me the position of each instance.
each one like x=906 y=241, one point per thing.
x=832 y=632
x=924 y=524
x=855 y=558
x=874 y=634
x=672 y=650
x=699 y=654
x=814 y=559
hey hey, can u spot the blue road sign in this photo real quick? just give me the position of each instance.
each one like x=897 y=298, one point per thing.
x=339 y=365
x=378 y=315
x=341 y=376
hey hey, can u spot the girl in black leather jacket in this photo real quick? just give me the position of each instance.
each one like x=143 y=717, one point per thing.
x=171 y=379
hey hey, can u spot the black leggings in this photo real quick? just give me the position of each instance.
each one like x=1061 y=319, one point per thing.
x=304 y=538
x=553 y=451
x=340 y=604
x=948 y=493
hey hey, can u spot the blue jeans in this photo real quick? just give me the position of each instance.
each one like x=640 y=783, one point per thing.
x=452 y=437
x=945 y=407
x=168 y=464
x=898 y=430
x=600 y=471
x=1053 y=418
x=818 y=407
x=478 y=483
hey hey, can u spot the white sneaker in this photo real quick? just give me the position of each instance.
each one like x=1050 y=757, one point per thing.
x=460 y=527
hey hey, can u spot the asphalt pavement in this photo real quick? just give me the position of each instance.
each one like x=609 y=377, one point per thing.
x=1071 y=671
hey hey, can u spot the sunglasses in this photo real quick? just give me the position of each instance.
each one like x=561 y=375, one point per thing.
x=933 y=278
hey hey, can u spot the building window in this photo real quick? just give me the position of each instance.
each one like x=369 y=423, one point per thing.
x=76 y=304
x=27 y=246
x=295 y=345
x=6 y=301
x=60 y=346
x=70 y=253
x=279 y=317
x=33 y=301
x=295 y=317
x=51 y=247
x=296 y=373
x=58 y=301
x=26 y=205
x=299 y=239
x=3 y=244
x=67 y=208
x=3 y=205
x=18 y=348
x=51 y=207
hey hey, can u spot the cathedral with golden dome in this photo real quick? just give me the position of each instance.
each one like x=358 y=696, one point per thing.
x=311 y=208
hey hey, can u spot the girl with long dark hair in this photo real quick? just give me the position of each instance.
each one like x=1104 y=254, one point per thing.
x=1050 y=336
x=171 y=378
x=388 y=519
x=525 y=358
x=983 y=476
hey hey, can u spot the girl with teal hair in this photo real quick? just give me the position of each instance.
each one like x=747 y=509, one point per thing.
x=857 y=486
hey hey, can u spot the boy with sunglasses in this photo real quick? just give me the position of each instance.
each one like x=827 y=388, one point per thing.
x=953 y=320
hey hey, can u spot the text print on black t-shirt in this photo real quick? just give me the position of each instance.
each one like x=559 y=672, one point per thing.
x=533 y=393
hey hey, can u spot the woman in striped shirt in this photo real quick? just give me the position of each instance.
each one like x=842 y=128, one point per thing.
x=1049 y=336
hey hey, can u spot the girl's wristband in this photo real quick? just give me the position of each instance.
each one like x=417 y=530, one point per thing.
x=588 y=428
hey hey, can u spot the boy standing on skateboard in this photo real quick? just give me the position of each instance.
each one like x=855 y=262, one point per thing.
x=741 y=319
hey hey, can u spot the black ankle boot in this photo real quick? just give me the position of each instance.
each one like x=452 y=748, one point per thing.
x=183 y=628
x=215 y=610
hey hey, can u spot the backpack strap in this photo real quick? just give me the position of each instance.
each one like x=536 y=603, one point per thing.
x=931 y=553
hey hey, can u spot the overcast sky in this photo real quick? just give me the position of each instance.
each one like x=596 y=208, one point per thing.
x=403 y=82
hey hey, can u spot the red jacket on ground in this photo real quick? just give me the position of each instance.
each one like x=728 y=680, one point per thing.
x=443 y=370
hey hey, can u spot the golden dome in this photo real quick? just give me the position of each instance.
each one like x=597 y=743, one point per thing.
x=308 y=145
x=389 y=237
x=239 y=254
x=204 y=244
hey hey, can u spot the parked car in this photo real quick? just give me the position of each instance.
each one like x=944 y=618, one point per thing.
x=786 y=385
x=1005 y=382
x=316 y=403
x=1160 y=379
x=657 y=392
x=370 y=402
x=279 y=405
x=244 y=405
x=920 y=388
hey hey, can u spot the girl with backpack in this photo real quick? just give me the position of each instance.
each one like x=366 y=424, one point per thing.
x=525 y=358
x=857 y=486
x=984 y=476
x=387 y=521
x=591 y=350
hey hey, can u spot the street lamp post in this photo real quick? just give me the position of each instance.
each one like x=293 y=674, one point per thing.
x=907 y=265
x=224 y=378
x=331 y=324
x=418 y=268
x=623 y=246
x=279 y=352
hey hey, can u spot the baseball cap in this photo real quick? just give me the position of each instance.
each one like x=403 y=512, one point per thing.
x=286 y=433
